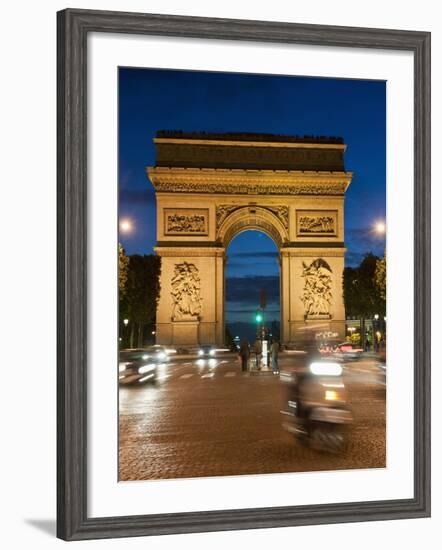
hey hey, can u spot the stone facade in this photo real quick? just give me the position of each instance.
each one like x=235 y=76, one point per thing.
x=200 y=210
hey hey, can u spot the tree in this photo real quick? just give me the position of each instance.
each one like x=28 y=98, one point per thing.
x=381 y=277
x=123 y=266
x=362 y=295
x=140 y=300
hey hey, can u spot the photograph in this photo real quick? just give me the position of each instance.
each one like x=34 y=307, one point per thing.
x=252 y=265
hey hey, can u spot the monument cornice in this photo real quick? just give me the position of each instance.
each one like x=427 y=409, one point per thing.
x=246 y=181
x=313 y=252
x=237 y=143
x=189 y=250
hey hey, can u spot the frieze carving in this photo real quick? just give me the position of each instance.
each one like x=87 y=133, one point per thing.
x=250 y=189
x=186 y=292
x=316 y=222
x=224 y=210
x=317 y=294
x=186 y=221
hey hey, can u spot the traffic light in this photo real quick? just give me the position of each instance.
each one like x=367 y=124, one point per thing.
x=258 y=317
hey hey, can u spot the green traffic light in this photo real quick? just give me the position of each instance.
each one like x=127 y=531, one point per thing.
x=258 y=317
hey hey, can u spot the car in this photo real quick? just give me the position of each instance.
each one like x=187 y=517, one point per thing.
x=382 y=374
x=138 y=366
x=206 y=351
x=348 y=351
x=157 y=353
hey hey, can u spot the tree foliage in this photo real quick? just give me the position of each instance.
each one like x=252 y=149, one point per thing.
x=123 y=266
x=363 y=296
x=381 y=277
x=140 y=299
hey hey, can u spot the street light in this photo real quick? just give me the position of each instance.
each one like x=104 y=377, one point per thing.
x=380 y=227
x=126 y=225
x=126 y=322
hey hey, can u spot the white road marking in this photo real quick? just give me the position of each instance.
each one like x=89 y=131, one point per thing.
x=230 y=374
x=187 y=375
x=208 y=375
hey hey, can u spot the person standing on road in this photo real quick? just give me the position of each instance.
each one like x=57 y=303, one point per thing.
x=274 y=350
x=258 y=353
x=244 y=353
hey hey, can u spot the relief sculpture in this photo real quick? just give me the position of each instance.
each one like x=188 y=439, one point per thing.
x=317 y=295
x=186 y=292
x=185 y=224
x=316 y=224
x=224 y=210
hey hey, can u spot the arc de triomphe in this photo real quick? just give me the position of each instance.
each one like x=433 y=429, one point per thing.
x=209 y=188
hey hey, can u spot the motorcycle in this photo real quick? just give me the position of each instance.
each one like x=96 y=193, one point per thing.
x=317 y=411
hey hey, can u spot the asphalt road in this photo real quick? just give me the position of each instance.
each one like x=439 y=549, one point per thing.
x=206 y=418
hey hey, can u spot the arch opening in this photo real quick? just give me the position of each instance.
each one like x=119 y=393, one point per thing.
x=252 y=284
x=269 y=220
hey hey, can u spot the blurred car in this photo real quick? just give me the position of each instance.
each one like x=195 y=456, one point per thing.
x=347 y=351
x=206 y=351
x=382 y=374
x=158 y=353
x=137 y=366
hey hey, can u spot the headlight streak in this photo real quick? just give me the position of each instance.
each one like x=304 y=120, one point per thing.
x=326 y=369
x=146 y=368
x=146 y=378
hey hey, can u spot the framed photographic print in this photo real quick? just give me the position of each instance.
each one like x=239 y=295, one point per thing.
x=243 y=274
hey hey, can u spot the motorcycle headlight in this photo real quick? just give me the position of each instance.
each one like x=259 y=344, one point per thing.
x=326 y=369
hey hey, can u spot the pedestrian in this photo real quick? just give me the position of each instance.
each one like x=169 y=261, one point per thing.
x=244 y=353
x=274 y=350
x=258 y=353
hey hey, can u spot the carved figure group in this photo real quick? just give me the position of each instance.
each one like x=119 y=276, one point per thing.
x=179 y=223
x=317 y=295
x=316 y=224
x=186 y=287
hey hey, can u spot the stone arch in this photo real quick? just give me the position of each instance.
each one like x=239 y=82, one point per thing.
x=252 y=217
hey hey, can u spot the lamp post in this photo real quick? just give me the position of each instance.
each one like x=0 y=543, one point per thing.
x=375 y=336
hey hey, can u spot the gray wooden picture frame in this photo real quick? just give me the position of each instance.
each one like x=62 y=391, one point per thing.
x=74 y=25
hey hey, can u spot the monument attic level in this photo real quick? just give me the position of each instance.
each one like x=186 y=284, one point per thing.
x=209 y=188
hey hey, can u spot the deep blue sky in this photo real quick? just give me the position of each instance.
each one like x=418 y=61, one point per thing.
x=152 y=99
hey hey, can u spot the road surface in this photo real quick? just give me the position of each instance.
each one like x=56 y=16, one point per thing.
x=206 y=418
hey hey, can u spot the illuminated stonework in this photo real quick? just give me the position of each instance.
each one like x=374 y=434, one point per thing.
x=209 y=190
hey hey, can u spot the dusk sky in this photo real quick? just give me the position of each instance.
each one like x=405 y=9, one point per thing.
x=153 y=99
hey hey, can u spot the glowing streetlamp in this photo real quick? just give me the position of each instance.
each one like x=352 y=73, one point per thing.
x=126 y=322
x=380 y=228
x=126 y=225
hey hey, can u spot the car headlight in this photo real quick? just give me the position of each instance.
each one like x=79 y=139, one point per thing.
x=201 y=352
x=161 y=356
x=146 y=368
x=122 y=367
x=212 y=352
x=326 y=369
